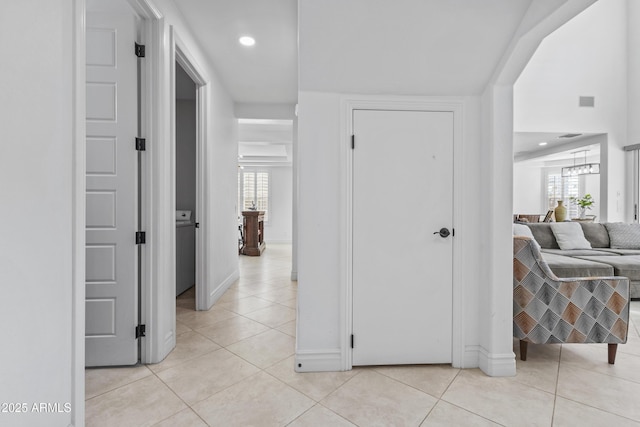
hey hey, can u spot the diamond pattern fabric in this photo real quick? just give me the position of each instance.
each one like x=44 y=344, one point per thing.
x=548 y=310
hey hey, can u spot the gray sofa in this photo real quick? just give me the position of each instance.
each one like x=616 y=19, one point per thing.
x=623 y=259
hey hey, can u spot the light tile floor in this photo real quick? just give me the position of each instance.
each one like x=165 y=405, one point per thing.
x=233 y=366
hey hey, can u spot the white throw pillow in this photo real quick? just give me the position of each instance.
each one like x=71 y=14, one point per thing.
x=569 y=235
x=522 y=230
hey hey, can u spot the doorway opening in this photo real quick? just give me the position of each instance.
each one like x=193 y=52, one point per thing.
x=265 y=183
x=189 y=122
x=538 y=179
x=185 y=187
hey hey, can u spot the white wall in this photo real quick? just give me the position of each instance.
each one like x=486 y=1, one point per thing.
x=633 y=74
x=633 y=91
x=322 y=223
x=220 y=223
x=278 y=228
x=37 y=233
x=38 y=265
x=585 y=57
x=320 y=255
x=186 y=155
x=528 y=189
x=592 y=186
x=264 y=111
x=483 y=192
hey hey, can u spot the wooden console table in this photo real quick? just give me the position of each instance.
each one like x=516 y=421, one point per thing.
x=253 y=229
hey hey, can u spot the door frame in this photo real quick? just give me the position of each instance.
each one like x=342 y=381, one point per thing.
x=157 y=178
x=151 y=33
x=180 y=53
x=349 y=104
x=79 y=210
x=157 y=302
x=155 y=271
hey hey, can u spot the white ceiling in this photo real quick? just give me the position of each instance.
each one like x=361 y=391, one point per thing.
x=413 y=47
x=526 y=146
x=265 y=142
x=405 y=47
x=264 y=73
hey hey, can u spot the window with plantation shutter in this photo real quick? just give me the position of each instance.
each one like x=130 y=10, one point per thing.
x=248 y=190
x=563 y=188
x=253 y=191
x=262 y=191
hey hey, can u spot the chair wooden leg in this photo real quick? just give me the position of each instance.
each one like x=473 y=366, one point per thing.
x=612 y=353
x=523 y=350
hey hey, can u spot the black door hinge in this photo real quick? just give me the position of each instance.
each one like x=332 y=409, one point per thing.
x=141 y=144
x=351 y=340
x=141 y=237
x=353 y=142
x=140 y=331
x=139 y=50
x=197 y=225
x=453 y=232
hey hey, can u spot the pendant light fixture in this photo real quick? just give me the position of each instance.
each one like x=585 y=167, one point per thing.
x=581 y=169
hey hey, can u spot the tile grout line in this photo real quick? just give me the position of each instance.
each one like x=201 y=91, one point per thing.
x=555 y=390
x=412 y=386
x=181 y=399
x=556 y=395
x=601 y=410
x=633 y=381
x=120 y=386
x=460 y=407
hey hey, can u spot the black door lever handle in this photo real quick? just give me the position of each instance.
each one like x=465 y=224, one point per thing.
x=444 y=232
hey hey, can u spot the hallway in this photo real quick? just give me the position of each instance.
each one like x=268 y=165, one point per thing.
x=233 y=366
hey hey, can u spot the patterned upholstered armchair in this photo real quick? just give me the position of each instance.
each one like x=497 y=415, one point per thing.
x=549 y=310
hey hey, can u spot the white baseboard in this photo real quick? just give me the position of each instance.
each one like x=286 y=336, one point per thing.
x=470 y=357
x=497 y=364
x=222 y=288
x=329 y=360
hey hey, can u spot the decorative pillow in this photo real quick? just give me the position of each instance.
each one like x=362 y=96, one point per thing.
x=544 y=235
x=624 y=236
x=569 y=235
x=522 y=230
x=596 y=234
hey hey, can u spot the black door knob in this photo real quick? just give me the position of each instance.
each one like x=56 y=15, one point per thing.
x=444 y=232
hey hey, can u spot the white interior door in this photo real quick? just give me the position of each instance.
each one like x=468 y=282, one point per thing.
x=402 y=271
x=111 y=217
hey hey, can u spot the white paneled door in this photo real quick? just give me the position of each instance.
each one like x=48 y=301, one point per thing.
x=402 y=264
x=112 y=182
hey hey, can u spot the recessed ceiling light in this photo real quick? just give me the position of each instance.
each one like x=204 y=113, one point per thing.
x=247 y=41
x=542 y=143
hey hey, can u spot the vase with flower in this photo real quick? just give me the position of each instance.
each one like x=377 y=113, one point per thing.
x=585 y=202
